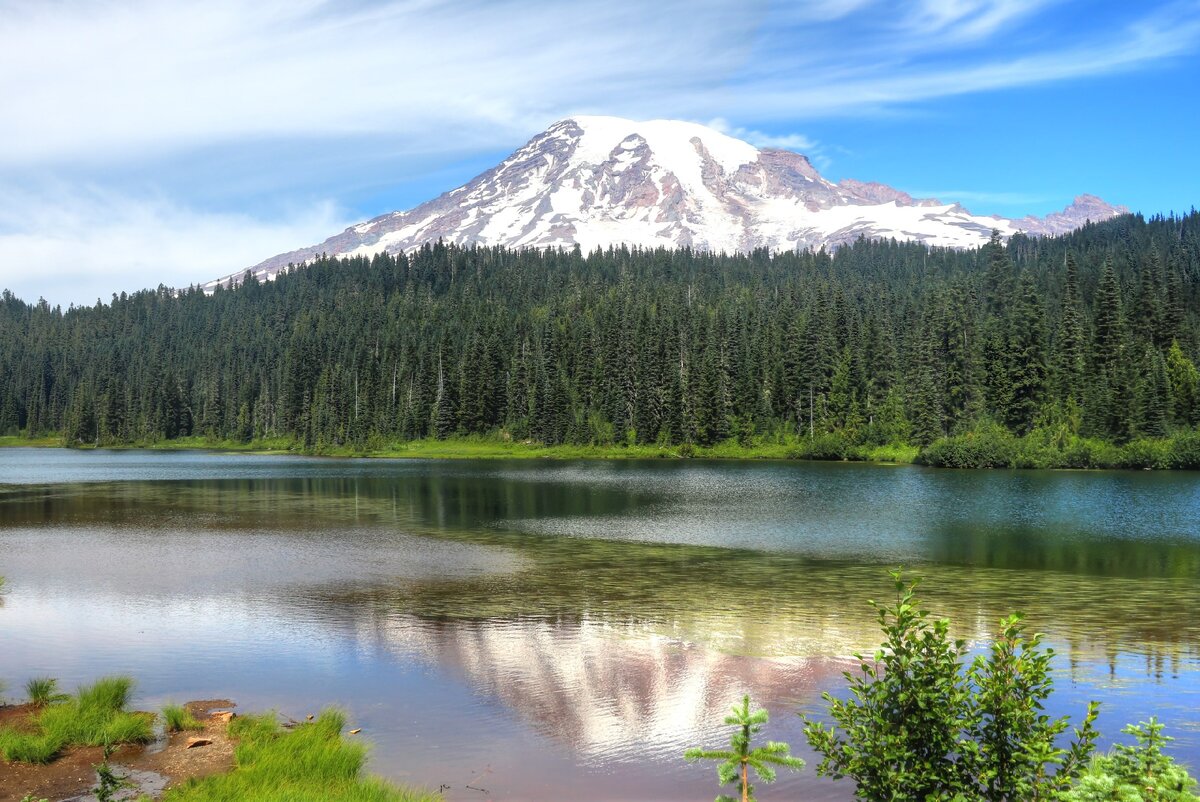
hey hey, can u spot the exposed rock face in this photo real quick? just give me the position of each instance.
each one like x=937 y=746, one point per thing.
x=599 y=181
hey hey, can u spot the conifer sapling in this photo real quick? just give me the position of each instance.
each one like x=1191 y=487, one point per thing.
x=737 y=761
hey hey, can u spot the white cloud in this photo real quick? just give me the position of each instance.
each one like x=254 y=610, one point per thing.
x=96 y=95
x=793 y=141
x=967 y=196
x=74 y=245
x=96 y=82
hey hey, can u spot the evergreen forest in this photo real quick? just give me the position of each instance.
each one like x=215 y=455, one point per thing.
x=1072 y=350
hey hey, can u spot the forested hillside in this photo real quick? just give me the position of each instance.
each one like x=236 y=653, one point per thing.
x=1090 y=335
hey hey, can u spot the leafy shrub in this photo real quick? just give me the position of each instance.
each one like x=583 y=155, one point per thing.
x=1185 y=451
x=824 y=446
x=1140 y=773
x=920 y=721
x=1145 y=454
x=987 y=446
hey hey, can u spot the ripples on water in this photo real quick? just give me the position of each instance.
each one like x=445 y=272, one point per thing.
x=530 y=626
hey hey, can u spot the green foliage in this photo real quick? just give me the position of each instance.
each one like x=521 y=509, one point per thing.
x=311 y=763
x=18 y=747
x=43 y=691
x=921 y=725
x=178 y=718
x=95 y=716
x=880 y=343
x=1140 y=773
x=108 y=782
x=740 y=758
x=989 y=445
x=1053 y=443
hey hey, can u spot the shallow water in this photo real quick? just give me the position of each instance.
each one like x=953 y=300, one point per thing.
x=533 y=627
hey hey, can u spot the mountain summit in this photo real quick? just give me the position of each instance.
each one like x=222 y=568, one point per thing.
x=599 y=181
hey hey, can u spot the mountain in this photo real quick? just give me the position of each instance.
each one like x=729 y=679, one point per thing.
x=599 y=181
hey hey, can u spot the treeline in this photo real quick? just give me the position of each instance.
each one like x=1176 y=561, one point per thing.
x=1090 y=335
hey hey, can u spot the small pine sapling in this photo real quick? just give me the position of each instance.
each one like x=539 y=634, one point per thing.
x=1140 y=773
x=737 y=761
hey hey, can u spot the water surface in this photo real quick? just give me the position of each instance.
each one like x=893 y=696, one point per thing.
x=534 y=627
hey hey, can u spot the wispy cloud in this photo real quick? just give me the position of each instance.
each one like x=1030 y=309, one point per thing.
x=788 y=141
x=121 y=99
x=75 y=244
x=968 y=196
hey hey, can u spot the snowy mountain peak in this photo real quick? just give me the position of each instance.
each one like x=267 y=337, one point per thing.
x=597 y=181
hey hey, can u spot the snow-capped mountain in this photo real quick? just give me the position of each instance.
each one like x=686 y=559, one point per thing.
x=599 y=181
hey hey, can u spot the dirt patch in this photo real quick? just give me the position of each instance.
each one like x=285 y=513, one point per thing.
x=154 y=766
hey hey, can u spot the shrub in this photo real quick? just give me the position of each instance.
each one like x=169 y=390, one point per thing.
x=989 y=445
x=1146 y=454
x=917 y=719
x=1185 y=450
x=1140 y=773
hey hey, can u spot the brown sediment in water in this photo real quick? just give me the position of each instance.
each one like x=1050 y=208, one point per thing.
x=154 y=767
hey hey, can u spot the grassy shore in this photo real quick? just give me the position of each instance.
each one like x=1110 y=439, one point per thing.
x=311 y=762
x=986 y=446
x=21 y=441
x=95 y=716
x=497 y=448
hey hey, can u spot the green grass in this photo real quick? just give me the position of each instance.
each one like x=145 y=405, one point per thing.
x=178 y=719
x=43 y=691
x=20 y=440
x=311 y=763
x=95 y=716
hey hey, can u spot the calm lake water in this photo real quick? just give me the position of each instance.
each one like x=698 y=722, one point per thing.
x=534 y=628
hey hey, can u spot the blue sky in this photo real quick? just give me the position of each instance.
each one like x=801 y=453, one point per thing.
x=158 y=141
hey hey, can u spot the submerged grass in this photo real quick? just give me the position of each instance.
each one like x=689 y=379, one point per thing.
x=311 y=763
x=95 y=716
x=178 y=718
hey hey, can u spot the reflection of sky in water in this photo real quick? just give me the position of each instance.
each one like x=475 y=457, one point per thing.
x=441 y=605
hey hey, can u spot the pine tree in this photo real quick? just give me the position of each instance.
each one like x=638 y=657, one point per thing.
x=1070 y=362
x=740 y=758
x=1026 y=358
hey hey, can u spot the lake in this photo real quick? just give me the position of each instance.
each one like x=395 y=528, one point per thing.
x=526 y=629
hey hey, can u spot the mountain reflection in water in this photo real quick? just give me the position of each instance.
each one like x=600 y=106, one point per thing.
x=536 y=627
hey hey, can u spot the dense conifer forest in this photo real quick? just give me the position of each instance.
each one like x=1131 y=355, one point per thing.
x=1078 y=343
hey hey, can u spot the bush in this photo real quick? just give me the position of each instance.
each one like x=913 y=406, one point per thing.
x=990 y=446
x=1139 y=773
x=1185 y=451
x=825 y=446
x=917 y=719
x=1145 y=455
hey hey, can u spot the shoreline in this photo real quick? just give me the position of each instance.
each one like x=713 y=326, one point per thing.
x=971 y=451
x=481 y=448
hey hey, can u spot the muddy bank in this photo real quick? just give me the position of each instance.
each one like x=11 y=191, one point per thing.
x=152 y=767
